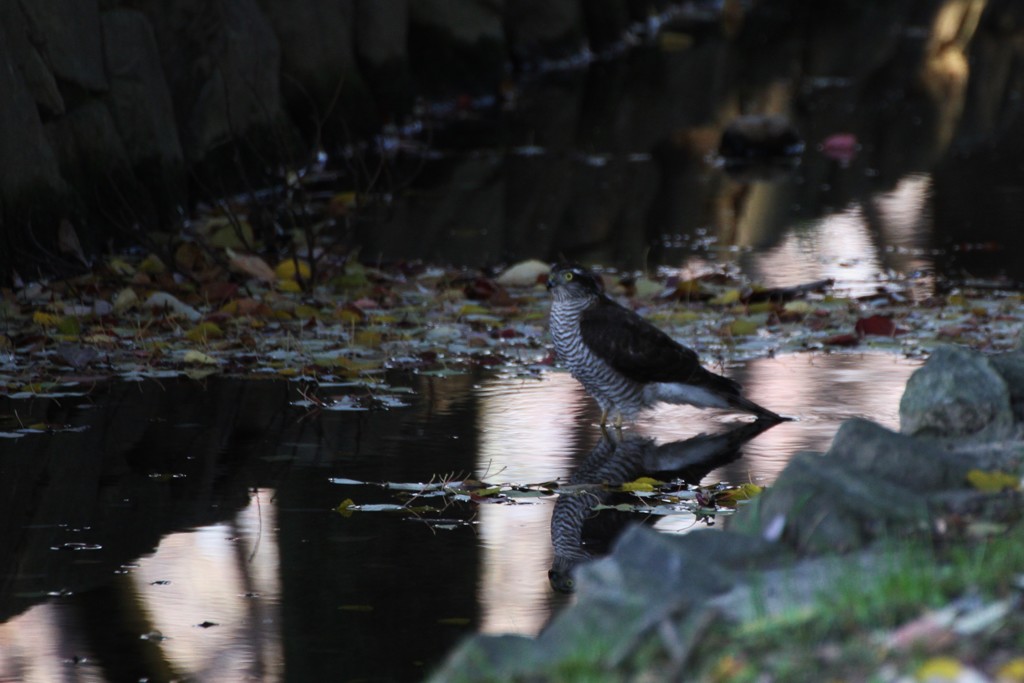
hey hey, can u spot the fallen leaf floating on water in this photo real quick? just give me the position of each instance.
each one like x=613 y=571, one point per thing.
x=993 y=482
x=199 y=358
x=251 y=265
x=841 y=340
x=880 y=325
x=164 y=301
x=524 y=274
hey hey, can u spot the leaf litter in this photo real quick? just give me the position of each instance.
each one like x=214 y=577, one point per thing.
x=211 y=305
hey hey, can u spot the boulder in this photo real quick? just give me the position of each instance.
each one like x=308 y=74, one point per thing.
x=870 y=481
x=31 y=64
x=381 y=43
x=141 y=105
x=650 y=578
x=957 y=393
x=67 y=35
x=540 y=30
x=1010 y=367
x=222 y=62
x=456 y=47
x=32 y=192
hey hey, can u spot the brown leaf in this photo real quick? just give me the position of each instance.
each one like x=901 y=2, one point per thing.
x=67 y=241
x=841 y=340
x=253 y=266
x=880 y=325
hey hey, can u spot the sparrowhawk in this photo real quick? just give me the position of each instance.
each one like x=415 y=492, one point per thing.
x=624 y=362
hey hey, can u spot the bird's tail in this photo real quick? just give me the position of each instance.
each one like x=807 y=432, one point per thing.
x=745 y=404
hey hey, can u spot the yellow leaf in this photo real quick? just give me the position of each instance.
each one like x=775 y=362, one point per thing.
x=745 y=492
x=957 y=300
x=345 y=507
x=125 y=300
x=289 y=286
x=348 y=315
x=1012 y=671
x=120 y=267
x=799 y=307
x=152 y=265
x=473 y=309
x=939 y=669
x=304 y=311
x=287 y=270
x=222 y=233
x=199 y=358
x=742 y=327
x=688 y=288
x=100 y=339
x=288 y=372
x=993 y=482
x=641 y=484
x=45 y=319
x=725 y=298
x=69 y=326
x=204 y=332
x=370 y=338
x=491 y=491
x=758 y=307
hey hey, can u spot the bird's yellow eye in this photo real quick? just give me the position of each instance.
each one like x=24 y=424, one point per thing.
x=568 y=277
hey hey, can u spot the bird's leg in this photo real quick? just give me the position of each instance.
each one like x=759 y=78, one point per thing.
x=618 y=423
x=604 y=417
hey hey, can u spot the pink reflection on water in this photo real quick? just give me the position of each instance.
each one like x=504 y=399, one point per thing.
x=224 y=576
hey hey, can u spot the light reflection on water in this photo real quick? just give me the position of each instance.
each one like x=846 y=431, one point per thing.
x=212 y=596
x=528 y=431
x=538 y=430
x=860 y=246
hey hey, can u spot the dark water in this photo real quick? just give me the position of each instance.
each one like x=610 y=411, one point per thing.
x=187 y=531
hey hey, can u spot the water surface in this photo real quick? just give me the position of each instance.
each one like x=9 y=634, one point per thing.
x=192 y=533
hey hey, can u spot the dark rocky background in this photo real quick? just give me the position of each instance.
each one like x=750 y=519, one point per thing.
x=119 y=115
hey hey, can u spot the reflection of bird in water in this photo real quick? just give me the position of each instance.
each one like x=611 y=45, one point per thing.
x=613 y=462
x=624 y=362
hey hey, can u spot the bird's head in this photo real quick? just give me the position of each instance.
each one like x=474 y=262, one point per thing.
x=571 y=281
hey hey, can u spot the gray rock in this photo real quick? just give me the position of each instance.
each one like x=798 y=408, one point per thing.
x=819 y=504
x=222 y=62
x=37 y=74
x=1010 y=366
x=919 y=465
x=32 y=191
x=456 y=47
x=381 y=30
x=544 y=29
x=870 y=481
x=317 y=43
x=649 y=578
x=465 y=22
x=139 y=97
x=957 y=393
x=67 y=34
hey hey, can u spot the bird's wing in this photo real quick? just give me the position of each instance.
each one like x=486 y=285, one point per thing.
x=640 y=351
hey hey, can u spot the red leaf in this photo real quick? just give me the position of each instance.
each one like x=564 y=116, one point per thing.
x=842 y=340
x=880 y=325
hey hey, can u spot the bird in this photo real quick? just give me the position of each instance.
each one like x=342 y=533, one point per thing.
x=623 y=361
